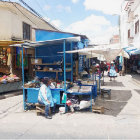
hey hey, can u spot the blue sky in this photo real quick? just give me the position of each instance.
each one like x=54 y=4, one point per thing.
x=98 y=19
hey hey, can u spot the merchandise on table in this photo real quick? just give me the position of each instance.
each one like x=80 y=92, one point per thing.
x=36 y=83
x=36 y=61
x=8 y=79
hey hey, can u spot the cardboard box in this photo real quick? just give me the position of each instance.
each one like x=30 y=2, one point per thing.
x=36 y=61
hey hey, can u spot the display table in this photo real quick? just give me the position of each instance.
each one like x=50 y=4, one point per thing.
x=92 y=93
x=10 y=86
x=31 y=95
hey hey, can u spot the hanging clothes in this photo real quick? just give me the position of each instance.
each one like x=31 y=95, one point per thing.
x=9 y=61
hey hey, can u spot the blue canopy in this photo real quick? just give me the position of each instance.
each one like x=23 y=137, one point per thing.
x=131 y=50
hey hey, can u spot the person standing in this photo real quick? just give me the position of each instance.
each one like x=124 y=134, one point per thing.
x=112 y=71
x=102 y=67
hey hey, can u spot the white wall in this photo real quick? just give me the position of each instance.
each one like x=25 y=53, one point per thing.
x=137 y=13
x=11 y=25
x=11 y=19
x=124 y=29
x=125 y=25
x=17 y=26
x=5 y=24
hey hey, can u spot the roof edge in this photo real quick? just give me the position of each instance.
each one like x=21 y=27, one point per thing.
x=84 y=36
x=32 y=13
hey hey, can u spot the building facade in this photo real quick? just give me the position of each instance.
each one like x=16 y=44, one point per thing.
x=115 y=39
x=129 y=23
x=18 y=23
x=130 y=33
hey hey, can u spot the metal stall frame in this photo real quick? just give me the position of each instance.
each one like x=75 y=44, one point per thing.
x=41 y=43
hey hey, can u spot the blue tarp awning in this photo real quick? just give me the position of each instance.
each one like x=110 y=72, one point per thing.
x=47 y=42
x=131 y=50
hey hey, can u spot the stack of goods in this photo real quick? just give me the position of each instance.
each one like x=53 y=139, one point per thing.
x=29 y=85
x=74 y=89
x=85 y=89
x=10 y=78
x=33 y=84
x=45 y=68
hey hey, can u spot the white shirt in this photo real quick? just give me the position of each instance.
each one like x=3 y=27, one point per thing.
x=43 y=91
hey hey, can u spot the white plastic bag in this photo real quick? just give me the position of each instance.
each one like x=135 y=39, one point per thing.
x=86 y=104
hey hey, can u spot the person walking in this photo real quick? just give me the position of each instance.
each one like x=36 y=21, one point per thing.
x=112 y=71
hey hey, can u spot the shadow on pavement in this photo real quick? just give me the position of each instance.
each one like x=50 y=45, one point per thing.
x=136 y=77
x=117 y=102
x=138 y=91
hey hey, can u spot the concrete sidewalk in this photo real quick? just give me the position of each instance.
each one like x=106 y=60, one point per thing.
x=136 y=78
x=10 y=94
x=17 y=124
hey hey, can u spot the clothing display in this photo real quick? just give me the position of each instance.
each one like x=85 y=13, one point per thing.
x=9 y=61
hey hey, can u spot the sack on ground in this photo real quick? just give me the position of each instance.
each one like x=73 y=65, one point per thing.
x=85 y=104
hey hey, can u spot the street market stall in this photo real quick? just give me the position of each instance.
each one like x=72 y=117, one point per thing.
x=103 y=52
x=47 y=61
x=9 y=79
x=133 y=63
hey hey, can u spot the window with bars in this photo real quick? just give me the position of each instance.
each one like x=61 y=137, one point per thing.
x=26 y=31
x=137 y=27
x=129 y=33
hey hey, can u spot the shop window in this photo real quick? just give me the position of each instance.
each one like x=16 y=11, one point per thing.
x=26 y=31
x=137 y=27
x=129 y=33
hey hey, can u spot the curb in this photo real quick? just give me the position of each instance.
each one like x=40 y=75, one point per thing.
x=7 y=95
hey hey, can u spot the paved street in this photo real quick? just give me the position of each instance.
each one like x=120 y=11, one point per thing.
x=17 y=124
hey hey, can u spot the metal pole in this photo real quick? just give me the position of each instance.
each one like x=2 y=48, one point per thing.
x=64 y=55
x=99 y=83
x=71 y=62
x=23 y=78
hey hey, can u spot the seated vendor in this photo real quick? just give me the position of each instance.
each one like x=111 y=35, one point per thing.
x=45 y=97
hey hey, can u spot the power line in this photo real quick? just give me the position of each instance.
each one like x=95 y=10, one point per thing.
x=36 y=13
x=22 y=12
x=30 y=8
x=38 y=4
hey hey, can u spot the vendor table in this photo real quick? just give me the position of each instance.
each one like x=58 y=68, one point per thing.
x=10 y=86
x=31 y=95
x=92 y=93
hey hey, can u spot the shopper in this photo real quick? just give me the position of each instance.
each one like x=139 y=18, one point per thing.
x=112 y=71
x=120 y=69
x=45 y=97
x=102 y=67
